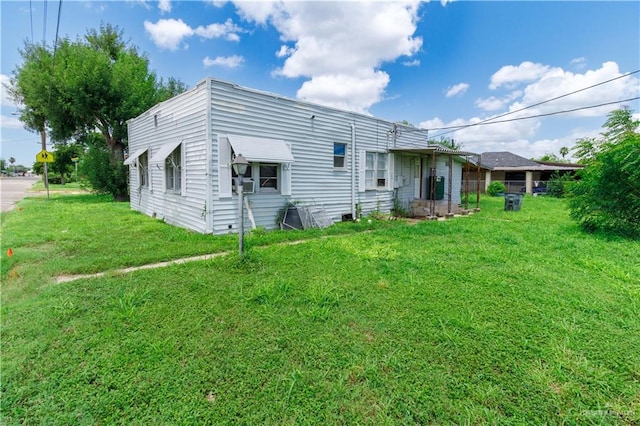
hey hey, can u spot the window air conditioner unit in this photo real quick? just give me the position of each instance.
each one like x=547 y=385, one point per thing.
x=248 y=186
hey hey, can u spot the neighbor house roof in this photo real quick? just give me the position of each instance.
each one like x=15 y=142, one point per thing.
x=497 y=160
x=508 y=161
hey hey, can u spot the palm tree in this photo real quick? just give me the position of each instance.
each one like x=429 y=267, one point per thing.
x=564 y=151
x=12 y=160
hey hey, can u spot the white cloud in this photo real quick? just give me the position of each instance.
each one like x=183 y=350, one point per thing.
x=493 y=103
x=227 y=30
x=340 y=90
x=490 y=104
x=229 y=62
x=520 y=136
x=164 y=6
x=510 y=75
x=284 y=51
x=558 y=82
x=4 y=94
x=579 y=63
x=458 y=89
x=217 y=3
x=339 y=45
x=170 y=33
x=10 y=122
x=414 y=63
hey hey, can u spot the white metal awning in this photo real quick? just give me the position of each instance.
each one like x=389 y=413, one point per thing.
x=164 y=152
x=133 y=157
x=261 y=150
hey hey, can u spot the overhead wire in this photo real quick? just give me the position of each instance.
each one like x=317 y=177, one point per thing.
x=31 y=18
x=493 y=120
x=44 y=24
x=55 y=46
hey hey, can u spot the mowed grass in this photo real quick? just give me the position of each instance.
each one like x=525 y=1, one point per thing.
x=499 y=317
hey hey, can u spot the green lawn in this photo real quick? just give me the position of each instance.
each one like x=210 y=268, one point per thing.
x=499 y=317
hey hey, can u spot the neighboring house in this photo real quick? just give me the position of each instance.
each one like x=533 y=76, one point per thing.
x=520 y=174
x=180 y=154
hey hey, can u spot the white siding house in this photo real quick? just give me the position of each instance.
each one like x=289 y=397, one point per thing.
x=180 y=154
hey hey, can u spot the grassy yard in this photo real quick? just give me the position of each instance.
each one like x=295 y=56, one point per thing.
x=499 y=317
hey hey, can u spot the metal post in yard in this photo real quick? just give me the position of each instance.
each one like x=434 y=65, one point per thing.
x=240 y=165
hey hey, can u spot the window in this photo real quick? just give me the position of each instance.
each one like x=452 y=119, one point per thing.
x=143 y=170
x=173 y=170
x=268 y=177
x=375 y=170
x=339 y=155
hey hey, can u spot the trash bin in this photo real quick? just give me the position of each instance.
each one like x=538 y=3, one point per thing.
x=512 y=201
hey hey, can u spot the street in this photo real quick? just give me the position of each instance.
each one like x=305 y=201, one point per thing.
x=13 y=189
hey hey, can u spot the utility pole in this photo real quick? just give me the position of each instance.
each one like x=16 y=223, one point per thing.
x=43 y=138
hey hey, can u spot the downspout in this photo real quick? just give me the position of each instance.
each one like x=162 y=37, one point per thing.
x=209 y=154
x=353 y=171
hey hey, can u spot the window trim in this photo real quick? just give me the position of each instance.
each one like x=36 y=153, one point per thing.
x=255 y=176
x=344 y=157
x=143 y=170
x=372 y=184
x=278 y=178
x=177 y=176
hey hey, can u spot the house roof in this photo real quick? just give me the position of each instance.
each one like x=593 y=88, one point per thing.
x=507 y=161
x=496 y=160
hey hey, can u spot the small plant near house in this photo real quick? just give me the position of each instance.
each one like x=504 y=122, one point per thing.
x=559 y=184
x=398 y=210
x=378 y=215
x=496 y=188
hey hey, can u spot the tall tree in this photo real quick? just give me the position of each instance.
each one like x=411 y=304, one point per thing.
x=98 y=82
x=619 y=124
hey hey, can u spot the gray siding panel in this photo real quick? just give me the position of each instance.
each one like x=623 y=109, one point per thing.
x=181 y=118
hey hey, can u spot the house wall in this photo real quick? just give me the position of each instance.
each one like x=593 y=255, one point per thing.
x=203 y=117
x=314 y=180
x=182 y=118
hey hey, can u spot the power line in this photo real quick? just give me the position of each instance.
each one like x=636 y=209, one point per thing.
x=44 y=24
x=55 y=47
x=57 y=28
x=485 y=123
x=537 y=104
x=31 y=19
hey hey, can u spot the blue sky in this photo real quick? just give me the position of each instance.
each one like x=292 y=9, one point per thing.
x=434 y=64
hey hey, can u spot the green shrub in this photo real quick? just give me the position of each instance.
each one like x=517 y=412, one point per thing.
x=606 y=198
x=496 y=188
x=558 y=184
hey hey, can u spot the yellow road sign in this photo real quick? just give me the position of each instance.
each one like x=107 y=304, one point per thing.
x=44 y=156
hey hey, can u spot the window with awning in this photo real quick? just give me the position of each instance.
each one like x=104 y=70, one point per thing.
x=261 y=150
x=270 y=160
x=164 y=152
x=133 y=157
